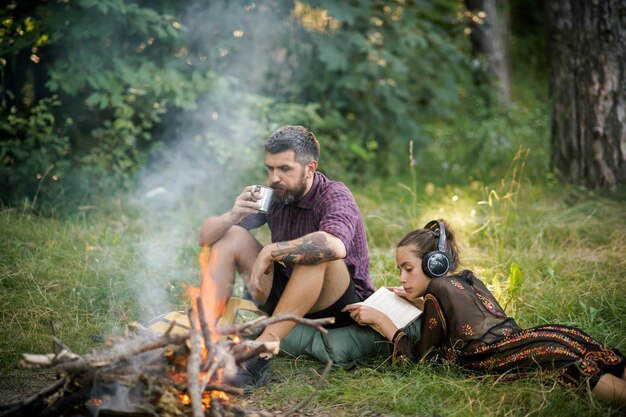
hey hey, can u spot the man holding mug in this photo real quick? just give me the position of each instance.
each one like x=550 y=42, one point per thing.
x=318 y=261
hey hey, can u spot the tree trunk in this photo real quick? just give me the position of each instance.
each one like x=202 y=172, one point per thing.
x=489 y=36
x=587 y=46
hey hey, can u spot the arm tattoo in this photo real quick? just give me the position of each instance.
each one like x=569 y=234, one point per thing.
x=313 y=249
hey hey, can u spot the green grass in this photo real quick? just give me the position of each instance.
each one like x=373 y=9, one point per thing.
x=87 y=275
x=91 y=273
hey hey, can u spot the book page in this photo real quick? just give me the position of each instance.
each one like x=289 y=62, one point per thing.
x=399 y=310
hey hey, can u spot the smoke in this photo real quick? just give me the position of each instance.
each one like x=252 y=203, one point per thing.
x=210 y=155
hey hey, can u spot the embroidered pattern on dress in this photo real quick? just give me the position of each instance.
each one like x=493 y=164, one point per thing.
x=588 y=367
x=488 y=304
x=497 y=362
x=537 y=334
x=450 y=356
x=432 y=323
x=506 y=332
x=467 y=330
x=607 y=356
x=433 y=299
x=456 y=284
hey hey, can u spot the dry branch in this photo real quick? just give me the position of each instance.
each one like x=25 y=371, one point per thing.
x=193 y=369
x=165 y=364
x=263 y=323
x=302 y=403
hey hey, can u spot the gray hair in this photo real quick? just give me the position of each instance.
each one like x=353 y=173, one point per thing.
x=297 y=139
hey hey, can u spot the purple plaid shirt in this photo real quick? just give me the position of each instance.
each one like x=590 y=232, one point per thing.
x=330 y=207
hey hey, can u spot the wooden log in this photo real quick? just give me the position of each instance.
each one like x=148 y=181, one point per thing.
x=193 y=370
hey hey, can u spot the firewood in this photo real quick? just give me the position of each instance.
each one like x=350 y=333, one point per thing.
x=172 y=366
x=193 y=369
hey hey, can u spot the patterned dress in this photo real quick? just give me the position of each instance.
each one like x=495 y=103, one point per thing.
x=462 y=322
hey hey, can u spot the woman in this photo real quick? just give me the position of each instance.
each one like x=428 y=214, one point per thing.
x=463 y=322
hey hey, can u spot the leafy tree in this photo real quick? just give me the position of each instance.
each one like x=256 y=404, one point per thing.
x=132 y=74
x=118 y=68
x=377 y=69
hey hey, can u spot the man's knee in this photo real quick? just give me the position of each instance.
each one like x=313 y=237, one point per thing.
x=236 y=236
x=334 y=277
x=337 y=273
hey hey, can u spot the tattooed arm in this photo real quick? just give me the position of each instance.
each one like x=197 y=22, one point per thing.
x=310 y=249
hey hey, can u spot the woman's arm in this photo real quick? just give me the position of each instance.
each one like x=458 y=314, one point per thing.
x=434 y=329
x=368 y=316
x=433 y=332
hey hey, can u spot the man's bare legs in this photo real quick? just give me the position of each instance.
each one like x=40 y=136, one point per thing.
x=235 y=252
x=310 y=288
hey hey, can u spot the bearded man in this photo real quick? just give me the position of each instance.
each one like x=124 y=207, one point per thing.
x=318 y=261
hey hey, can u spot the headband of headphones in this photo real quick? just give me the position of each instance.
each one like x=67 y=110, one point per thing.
x=439 y=230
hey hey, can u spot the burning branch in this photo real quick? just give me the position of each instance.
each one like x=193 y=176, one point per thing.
x=167 y=370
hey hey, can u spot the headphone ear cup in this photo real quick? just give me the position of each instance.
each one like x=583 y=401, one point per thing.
x=435 y=264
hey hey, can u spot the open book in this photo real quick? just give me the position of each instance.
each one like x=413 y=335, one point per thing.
x=399 y=310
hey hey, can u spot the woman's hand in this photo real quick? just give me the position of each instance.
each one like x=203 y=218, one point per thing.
x=368 y=316
x=399 y=291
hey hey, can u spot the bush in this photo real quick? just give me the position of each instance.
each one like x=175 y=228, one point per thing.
x=481 y=148
x=33 y=152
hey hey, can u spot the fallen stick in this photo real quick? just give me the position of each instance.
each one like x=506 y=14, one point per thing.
x=28 y=404
x=263 y=323
x=302 y=403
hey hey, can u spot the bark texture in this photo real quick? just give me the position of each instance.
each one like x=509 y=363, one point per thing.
x=490 y=29
x=587 y=46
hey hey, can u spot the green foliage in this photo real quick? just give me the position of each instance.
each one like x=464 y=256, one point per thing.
x=34 y=153
x=366 y=77
x=508 y=293
x=118 y=68
x=386 y=68
x=480 y=147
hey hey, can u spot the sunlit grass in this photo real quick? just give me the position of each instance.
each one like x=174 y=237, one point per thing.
x=78 y=274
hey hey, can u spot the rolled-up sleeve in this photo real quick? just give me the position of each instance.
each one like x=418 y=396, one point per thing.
x=340 y=215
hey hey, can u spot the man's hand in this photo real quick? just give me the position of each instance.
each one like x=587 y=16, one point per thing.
x=214 y=228
x=261 y=270
x=245 y=204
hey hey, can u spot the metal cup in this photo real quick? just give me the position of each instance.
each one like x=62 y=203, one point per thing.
x=266 y=197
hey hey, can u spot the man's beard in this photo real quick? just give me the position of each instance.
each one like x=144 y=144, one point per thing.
x=289 y=196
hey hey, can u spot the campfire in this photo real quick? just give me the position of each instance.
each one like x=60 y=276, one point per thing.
x=153 y=374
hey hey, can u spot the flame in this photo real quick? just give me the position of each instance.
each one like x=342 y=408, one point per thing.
x=206 y=398
x=236 y=339
x=97 y=402
x=212 y=307
x=220 y=395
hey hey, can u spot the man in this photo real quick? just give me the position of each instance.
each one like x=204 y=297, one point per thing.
x=318 y=260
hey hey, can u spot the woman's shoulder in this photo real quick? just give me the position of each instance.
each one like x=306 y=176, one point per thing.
x=452 y=282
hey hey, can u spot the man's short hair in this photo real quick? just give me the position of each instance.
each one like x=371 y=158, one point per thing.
x=297 y=139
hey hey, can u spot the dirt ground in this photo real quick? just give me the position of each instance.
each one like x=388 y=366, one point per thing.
x=20 y=383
